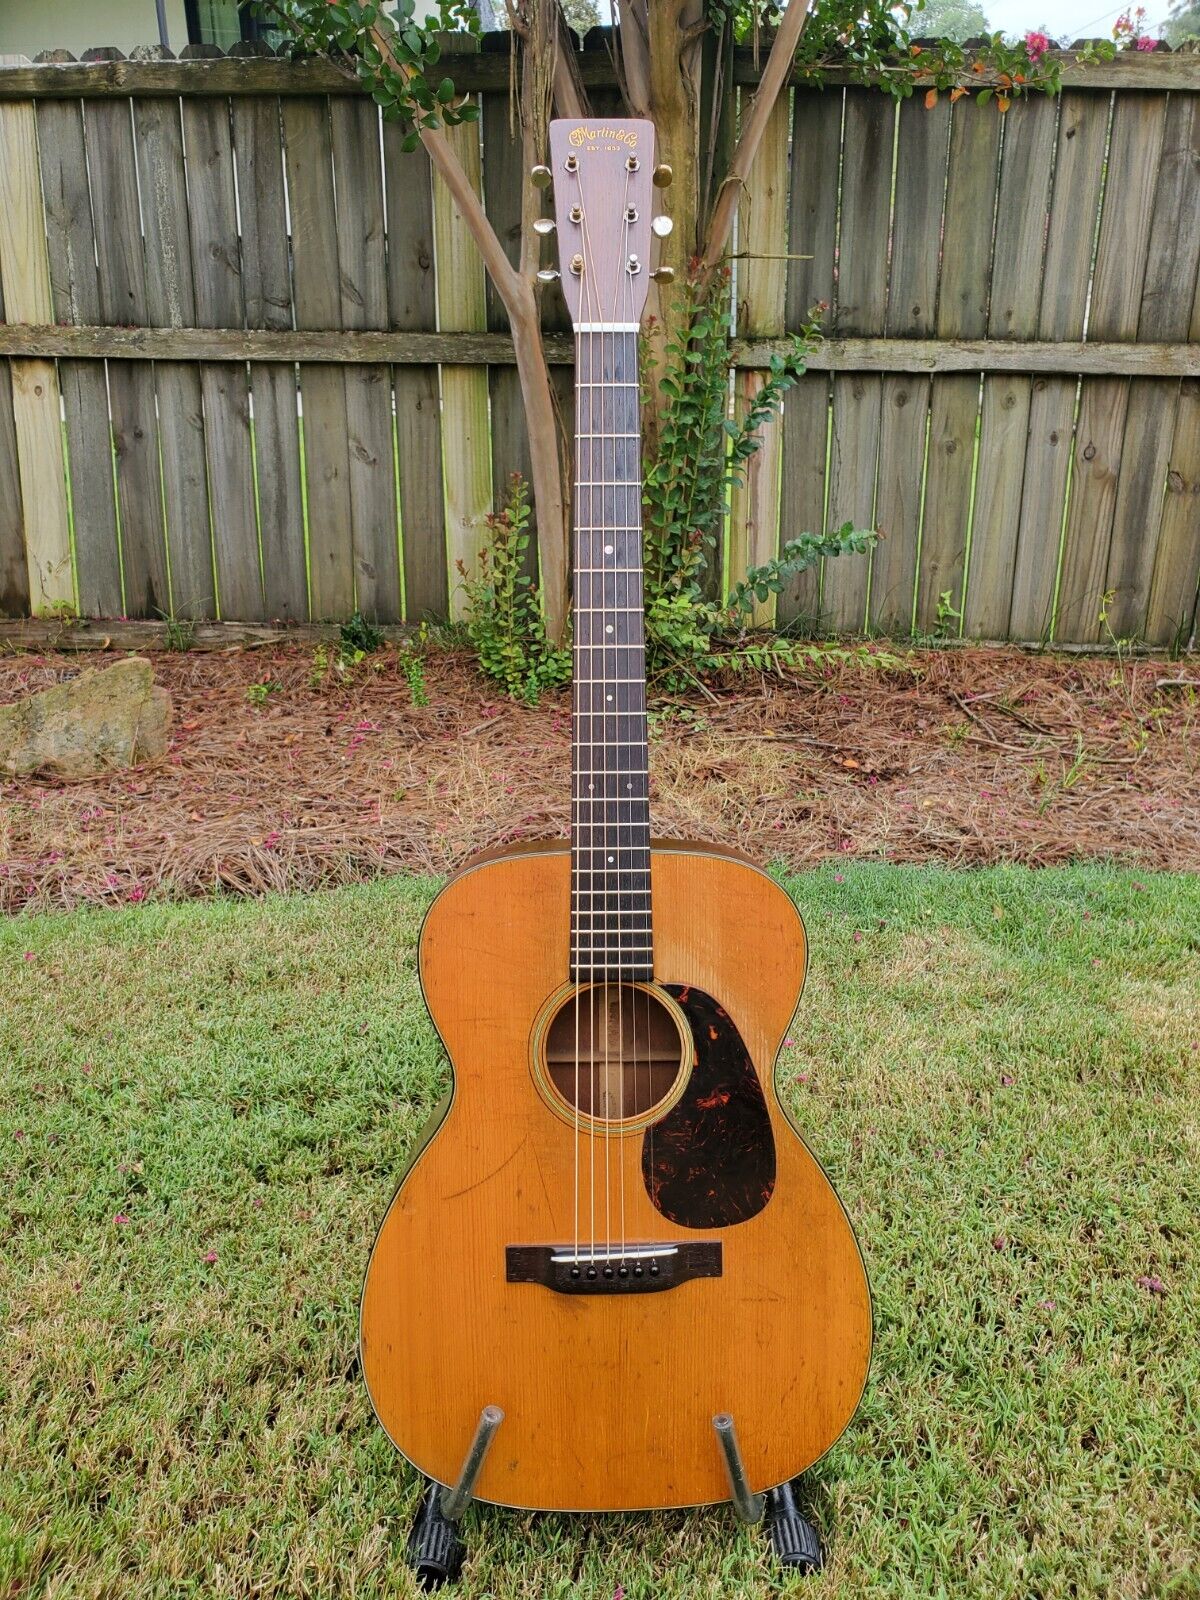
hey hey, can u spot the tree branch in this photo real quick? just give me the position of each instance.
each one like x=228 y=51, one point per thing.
x=772 y=83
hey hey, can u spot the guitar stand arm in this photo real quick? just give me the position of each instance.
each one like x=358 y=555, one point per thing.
x=435 y=1551
x=794 y=1540
x=747 y=1505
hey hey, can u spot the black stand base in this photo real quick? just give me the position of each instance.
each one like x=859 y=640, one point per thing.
x=434 y=1550
x=794 y=1540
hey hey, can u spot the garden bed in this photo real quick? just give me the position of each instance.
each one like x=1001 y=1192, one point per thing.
x=285 y=773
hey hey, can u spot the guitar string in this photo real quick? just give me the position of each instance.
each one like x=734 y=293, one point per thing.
x=585 y=691
x=624 y=341
x=601 y=436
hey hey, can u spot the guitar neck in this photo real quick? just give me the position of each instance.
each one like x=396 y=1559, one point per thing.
x=611 y=933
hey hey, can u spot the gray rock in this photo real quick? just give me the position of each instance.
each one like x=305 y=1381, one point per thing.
x=113 y=717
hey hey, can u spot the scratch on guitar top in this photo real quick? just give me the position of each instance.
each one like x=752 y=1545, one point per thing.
x=457 y=1194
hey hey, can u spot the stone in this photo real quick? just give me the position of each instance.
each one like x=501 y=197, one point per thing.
x=103 y=719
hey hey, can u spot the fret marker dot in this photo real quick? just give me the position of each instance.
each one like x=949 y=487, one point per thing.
x=612 y=858
x=608 y=697
x=608 y=629
x=608 y=549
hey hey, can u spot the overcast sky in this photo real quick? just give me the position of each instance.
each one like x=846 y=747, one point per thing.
x=1063 y=19
x=1069 y=19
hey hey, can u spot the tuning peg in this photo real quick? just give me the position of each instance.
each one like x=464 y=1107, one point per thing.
x=663 y=274
x=660 y=226
x=544 y=225
x=541 y=177
x=549 y=275
x=662 y=175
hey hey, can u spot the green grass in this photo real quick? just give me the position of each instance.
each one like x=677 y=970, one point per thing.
x=243 y=1078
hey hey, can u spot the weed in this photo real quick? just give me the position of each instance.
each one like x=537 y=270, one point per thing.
x=701 y=453
x=358 y=636
x=259 y=693
x=179 y=634
x=503 y=607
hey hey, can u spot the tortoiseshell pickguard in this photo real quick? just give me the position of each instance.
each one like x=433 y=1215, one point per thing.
x=710 y=1162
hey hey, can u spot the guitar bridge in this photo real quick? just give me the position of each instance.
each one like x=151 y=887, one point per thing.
x=637 y=1269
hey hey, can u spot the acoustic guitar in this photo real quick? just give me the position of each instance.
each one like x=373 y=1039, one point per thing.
x=613 y=1237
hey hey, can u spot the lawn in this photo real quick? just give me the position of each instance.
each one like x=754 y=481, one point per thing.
x=205 y=1109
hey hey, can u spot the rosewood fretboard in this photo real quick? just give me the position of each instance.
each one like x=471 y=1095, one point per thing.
x=610 y=828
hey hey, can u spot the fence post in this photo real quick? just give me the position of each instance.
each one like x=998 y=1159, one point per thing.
x=25 y=272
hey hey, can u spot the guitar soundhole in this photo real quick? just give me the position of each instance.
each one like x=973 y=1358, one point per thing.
x=614 y=1051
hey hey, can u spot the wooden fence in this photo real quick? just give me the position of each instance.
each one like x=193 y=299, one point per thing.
x=254 y=369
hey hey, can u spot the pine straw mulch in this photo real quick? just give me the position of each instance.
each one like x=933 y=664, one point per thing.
x=968 y=756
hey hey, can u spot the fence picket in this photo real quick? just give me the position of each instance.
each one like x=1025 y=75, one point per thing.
x=503 y=181
x=37 y=432
x=171 y=303
x=108 y=137
x=216 y=269
x=861 y=308
x=912 y=309
x=75 y=290
x=1170 y=614
x=1082 y=134
x=1023 y=197
x=358 y=179
x=14 y=578
x=412 y=304
x=462 y=306
x=309 y=166
x=1119 y=276
x=955 y=401
x=761 y=293
x=267 y=298
x=812 y=236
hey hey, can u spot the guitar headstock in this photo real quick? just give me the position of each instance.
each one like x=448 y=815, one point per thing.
x=604 y=178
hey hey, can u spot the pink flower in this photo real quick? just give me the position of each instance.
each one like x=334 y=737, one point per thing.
x=1048 y=1305
x=1007 y=1081
x=857 y=936
x=121 y=1220
x=999 y=1242
x=257 y=1202
x=1146 y=43
x=210 y=1256
x=1151 y=1283
x=1036 y=45
x=18 y=1133
x=29 y=955
x=789 y=1044
x=839 y=877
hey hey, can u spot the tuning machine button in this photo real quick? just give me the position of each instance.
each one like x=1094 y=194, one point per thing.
x=663 y=274
x=659 y=226
x=541 y=177
x=662 y=175
x=549 y=275
x=544 y=226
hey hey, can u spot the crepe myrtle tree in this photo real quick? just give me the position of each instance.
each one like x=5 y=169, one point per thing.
x=673 y=61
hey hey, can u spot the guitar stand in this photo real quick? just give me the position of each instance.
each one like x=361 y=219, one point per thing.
x=434 y=1550
x=793 y=1538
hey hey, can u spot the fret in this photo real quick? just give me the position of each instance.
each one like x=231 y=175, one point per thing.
x=611 y=916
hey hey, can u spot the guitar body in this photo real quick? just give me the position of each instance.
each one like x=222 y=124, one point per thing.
x=608 y=1397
